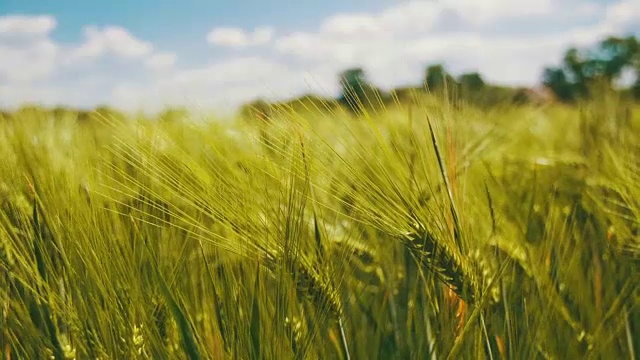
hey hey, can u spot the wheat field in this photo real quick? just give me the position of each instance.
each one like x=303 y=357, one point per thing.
x=427 y=231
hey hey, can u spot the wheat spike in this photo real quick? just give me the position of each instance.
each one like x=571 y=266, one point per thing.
x=446 y=263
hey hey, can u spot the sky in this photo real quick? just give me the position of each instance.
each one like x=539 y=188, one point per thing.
x=217 y=55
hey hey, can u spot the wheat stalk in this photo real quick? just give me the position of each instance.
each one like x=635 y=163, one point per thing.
x=447 y=265
x=310 y=284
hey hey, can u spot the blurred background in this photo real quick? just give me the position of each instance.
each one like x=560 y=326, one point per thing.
x=216 y=56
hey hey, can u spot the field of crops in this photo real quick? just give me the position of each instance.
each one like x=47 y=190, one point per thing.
x=432 y=231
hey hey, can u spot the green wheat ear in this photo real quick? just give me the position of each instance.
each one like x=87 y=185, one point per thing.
x=310 y=284
x=444 y=262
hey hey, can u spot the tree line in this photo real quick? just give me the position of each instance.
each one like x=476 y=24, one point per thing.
x=580 y=75
x=583 y=70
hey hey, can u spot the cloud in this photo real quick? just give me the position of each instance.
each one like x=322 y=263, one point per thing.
x=34 y=67
x=412 y=17
x=224 y=84
x=624 y=13
x=410 y=35
x=241 y=69
x=29 y=62
x=238 y=38
x=110 y=40
x=27 y=53
x=27 y=25
x=161 y=61
x=487 y=11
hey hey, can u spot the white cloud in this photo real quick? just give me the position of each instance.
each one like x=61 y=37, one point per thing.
x=235 y=70
x=30 y=25
x=110 y=40
x=29 y=62
x=414 y=16
x=26 y=52
x=161 y=61
x=227 y=37
x=262 y=35
x=487 y=11
x=626 y=12
x=224 y=85
x=350 y=24
x=238 y=38
x=231 y=81
x=406 y=17
x=588 y=9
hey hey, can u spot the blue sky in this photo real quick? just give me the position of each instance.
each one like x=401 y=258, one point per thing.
x=217 y=54
x=172 y=22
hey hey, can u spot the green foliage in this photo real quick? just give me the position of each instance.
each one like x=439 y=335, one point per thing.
x=556 y=79
x=581 y=69
x=437 y=79
x=357 y=93
x=471 y=82
x=635 y=89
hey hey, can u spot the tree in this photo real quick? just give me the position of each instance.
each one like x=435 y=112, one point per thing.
x=603 y=64
x=616 y=54
x=635 y=88
x=471 y=81
x=357 y=93
x=579 y=70
x=556 y=80
x=436 y=78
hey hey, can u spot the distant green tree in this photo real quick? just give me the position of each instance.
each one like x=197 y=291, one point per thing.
x=437 y=79
x=579 y=71
x=603 y=64
x=615 y=54
x=471 y=86
x=357 y=93
x=556 y=80
x=471 y=81
x=635 y=88
x=618 y=55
